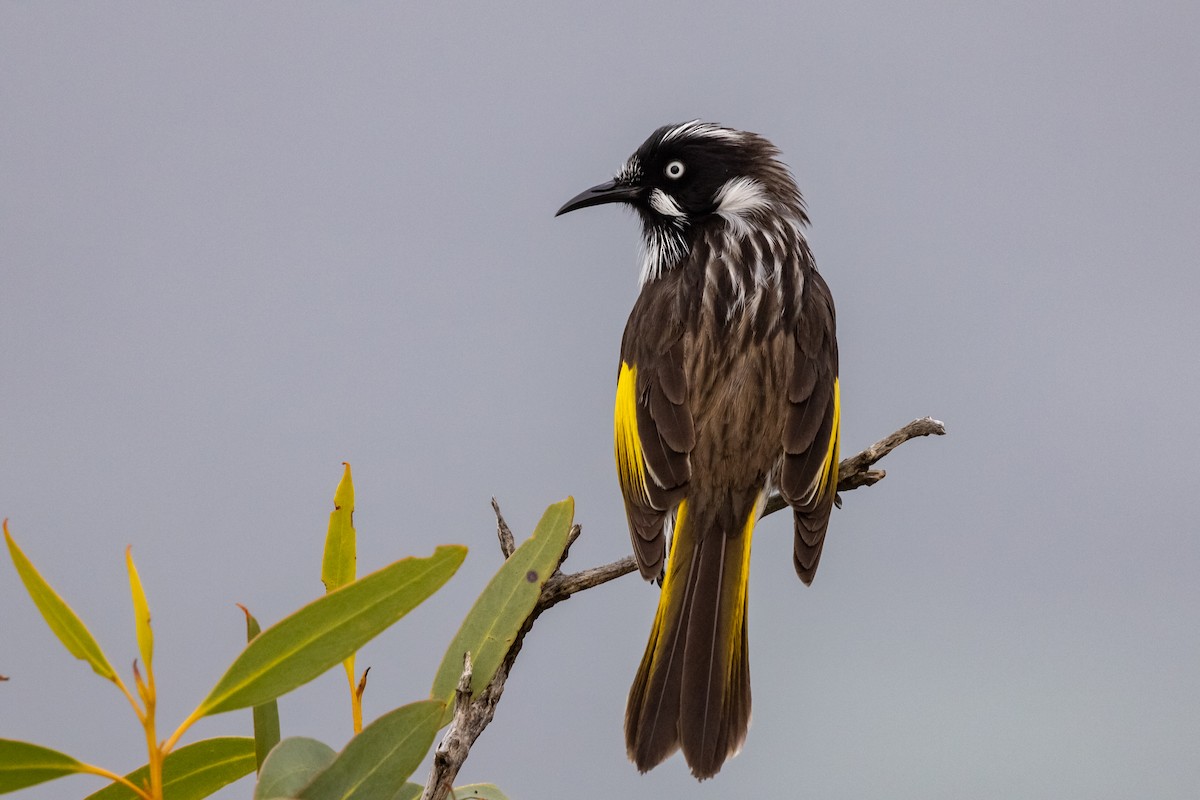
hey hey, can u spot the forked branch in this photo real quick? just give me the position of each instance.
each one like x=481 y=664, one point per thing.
x=473 y=714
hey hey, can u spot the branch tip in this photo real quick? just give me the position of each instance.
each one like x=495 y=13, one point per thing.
x=507 y=543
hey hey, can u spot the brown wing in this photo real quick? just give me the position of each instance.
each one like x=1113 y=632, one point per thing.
x=808 y=480
x=654 y=436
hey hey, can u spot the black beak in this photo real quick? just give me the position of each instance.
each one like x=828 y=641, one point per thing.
x=611 y=192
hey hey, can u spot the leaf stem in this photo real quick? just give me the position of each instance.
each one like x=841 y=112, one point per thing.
x=355 y=695
x=170 y=743
x=133 y=703
x=155 y=752
x=112 y=776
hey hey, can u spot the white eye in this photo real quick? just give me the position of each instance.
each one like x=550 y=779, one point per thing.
x=674 y=170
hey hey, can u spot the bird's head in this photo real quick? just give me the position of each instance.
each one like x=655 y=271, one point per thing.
x=693 y=174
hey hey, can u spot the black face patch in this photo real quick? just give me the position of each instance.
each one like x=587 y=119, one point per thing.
x=691 y=169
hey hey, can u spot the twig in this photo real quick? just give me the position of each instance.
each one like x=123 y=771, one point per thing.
x=856 y=471
x=853 y=472
x=453 y=749
x=507 y=543
x=472 y=715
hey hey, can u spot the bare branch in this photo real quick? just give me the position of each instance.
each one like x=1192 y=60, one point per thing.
x=507 y=543
x=853 y=472
x=572 y=535
x=472 y=715
x=563 y=585
x=856 y=471
x=453 y=749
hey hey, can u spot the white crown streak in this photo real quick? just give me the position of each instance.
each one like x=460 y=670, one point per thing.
x=703 y=130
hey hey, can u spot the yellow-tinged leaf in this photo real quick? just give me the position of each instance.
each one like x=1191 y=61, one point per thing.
x=141 y=612
x=338 y=563
x=69 y=629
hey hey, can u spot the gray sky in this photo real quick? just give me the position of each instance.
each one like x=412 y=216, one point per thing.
x=241 y=244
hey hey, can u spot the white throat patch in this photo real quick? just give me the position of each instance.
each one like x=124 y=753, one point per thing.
x=662 y=249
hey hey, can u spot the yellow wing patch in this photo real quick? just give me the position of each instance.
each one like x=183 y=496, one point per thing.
x=672 y=572
x=829 y=470
x=631 y=467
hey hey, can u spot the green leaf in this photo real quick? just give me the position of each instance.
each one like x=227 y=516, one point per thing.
x=492 y=625
x=69 y=629
x=266 y=715
x=479 y=791
x=24 y=764
x=409 y=791
x=308 y=642
x=291 y=766
x=375 y=761
x=337 y=566
x=192 y=772
x=141 y=611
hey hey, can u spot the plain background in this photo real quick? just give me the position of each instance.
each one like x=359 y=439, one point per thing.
x=240 y=244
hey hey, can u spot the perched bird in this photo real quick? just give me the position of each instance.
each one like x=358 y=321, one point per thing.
x=727 y=390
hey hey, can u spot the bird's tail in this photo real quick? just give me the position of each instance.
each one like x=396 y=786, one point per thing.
x=692 y=690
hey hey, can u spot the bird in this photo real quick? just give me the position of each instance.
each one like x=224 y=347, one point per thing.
x=727 y=391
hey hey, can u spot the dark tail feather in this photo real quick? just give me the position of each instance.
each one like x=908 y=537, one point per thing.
x=652 y=714
x=692 y=689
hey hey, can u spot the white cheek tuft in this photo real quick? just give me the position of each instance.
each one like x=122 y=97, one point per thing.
x=662 y=202
x=739 y=199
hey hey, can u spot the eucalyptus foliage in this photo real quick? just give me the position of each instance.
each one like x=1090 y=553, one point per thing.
x=381 y=757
